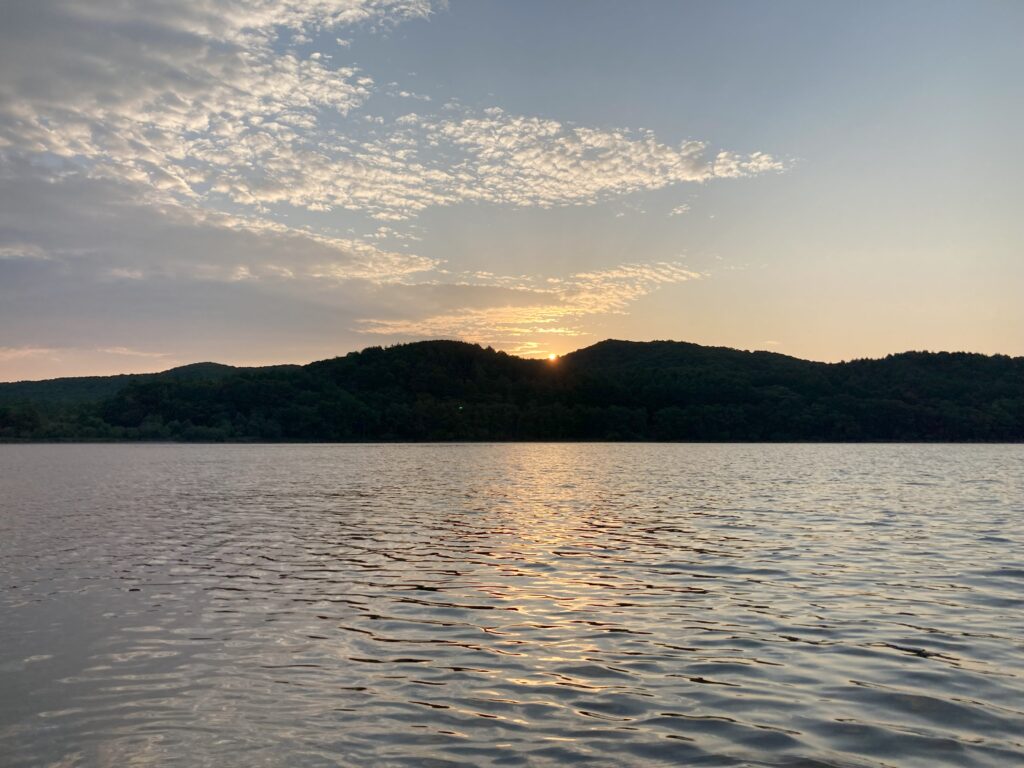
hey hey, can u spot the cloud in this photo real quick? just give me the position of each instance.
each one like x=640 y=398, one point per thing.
x=121 y=231
x=492 y=157
x=88 y=231
x=529 y=161
x=17 y=353
x=680 y=209
x=128 y=352
x=16 y=250
x=26 y=363
x=555 y=307
x=156 y=153
x=188 y=96
x=211 y=101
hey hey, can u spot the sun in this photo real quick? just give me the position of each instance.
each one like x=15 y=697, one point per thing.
x=552 y=357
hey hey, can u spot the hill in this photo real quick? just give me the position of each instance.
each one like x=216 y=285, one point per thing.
x=614 y=390
x=83 y=389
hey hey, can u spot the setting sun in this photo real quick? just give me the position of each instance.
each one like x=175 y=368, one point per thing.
x=552 y=357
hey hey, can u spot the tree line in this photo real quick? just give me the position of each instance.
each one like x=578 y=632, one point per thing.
x=446 y=390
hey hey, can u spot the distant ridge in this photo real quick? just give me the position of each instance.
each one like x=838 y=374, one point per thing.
x=80 y=389
x=613 y=390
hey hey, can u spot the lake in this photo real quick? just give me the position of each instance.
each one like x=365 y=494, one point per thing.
x=511 y=605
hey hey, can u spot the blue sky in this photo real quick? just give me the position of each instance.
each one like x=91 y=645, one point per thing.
x=260 y=181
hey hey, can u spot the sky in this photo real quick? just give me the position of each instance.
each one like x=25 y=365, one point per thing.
x=267 y=181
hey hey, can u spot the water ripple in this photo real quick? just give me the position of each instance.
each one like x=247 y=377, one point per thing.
x=512 y=605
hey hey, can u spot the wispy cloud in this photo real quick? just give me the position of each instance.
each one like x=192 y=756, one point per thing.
x=560 y=309
x=41 y=362
x=156 y=236
x=129 y=352
x=15 y=250
x=18 y=353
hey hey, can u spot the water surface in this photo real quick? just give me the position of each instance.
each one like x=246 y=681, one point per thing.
x=511 y=605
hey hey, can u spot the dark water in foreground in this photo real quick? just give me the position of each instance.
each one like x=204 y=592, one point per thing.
x=606 y=605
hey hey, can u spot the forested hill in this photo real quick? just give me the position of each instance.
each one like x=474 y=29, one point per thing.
x=614 y=390
x=81 y=389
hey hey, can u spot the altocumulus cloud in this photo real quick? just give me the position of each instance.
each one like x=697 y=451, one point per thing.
x=165 y=140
